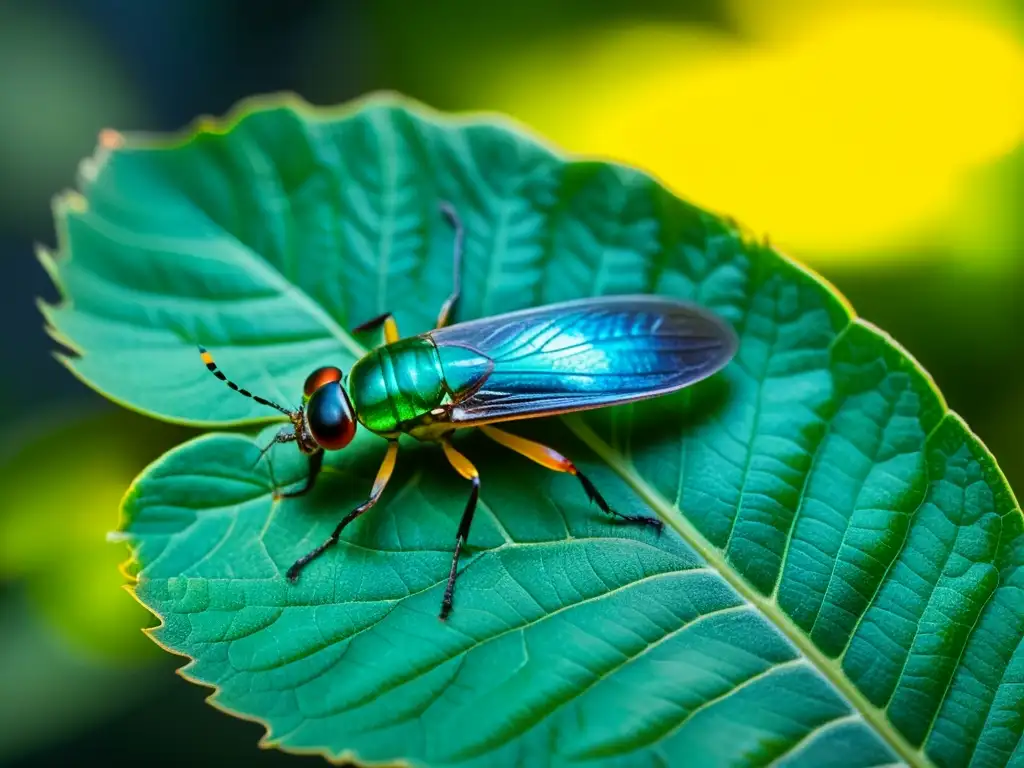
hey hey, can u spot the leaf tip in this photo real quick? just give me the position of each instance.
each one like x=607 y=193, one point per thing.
x=72 y=201
x=48 y=261
x=49 y=312
x=64 y=359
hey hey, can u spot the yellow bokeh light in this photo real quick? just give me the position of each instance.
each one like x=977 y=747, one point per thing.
x=63 y=477
x=854 y=131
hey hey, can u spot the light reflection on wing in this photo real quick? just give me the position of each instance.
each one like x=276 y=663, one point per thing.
x=587 y=354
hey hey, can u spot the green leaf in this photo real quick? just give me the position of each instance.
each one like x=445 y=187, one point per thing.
x=839 y=580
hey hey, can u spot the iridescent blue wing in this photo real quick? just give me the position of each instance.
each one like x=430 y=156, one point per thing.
x=586 y=354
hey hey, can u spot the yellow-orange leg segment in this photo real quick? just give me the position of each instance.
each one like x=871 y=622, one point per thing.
x=387 y=320
x=387 y=467
x=552 y=459
x=465 y=468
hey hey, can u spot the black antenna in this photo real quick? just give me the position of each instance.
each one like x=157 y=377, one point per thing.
x=212 y=366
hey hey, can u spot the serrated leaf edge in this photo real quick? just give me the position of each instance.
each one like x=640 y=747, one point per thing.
x=204 y=124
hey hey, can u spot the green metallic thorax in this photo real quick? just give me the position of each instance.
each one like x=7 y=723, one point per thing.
x=393 y=387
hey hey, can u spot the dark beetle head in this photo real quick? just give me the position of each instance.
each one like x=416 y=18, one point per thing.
x=325 y=421
x=328 y=419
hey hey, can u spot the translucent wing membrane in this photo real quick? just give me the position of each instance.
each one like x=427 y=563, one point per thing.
x=587 y=354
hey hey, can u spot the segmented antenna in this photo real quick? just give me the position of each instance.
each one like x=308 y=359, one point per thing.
x=212 y=367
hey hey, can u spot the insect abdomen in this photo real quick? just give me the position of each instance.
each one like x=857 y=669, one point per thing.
x=398 y=383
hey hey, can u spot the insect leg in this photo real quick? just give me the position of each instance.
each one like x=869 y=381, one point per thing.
x=465 y=468
x=548 y=457
x=316 y=463
x=387 y=320
x=453 y=218
x=387 y=467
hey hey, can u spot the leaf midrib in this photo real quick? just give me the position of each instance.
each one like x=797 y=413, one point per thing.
x=248 y=257
x=716 y=560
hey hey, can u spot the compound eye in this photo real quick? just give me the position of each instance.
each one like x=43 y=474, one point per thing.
x=319 y=377
x=329 y=414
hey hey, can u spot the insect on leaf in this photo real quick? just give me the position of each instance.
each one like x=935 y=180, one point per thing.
x=838 y=582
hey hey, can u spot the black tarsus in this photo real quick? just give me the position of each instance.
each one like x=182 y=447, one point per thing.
x=372 y=324
x=298 y=565
x=594 y=495
x=293 y=572
x=448 y=211
x=460 y=540
x=316 y=463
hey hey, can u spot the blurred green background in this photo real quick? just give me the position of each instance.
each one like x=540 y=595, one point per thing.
x=882 y=143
